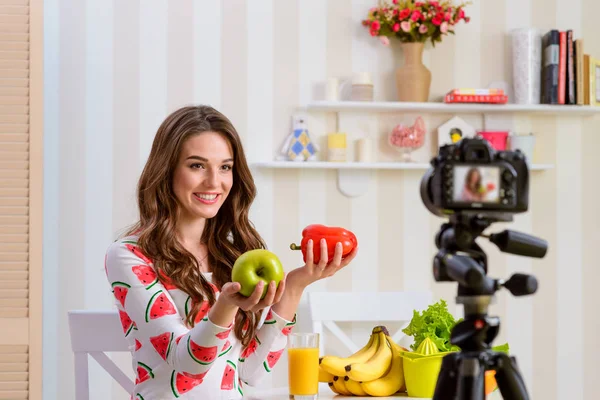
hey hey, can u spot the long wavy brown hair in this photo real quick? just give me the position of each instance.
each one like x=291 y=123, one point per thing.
x=227 y=235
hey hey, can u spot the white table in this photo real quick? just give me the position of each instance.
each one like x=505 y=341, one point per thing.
x=326 y=393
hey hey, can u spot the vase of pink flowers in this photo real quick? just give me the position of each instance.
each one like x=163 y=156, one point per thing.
x=414 y=23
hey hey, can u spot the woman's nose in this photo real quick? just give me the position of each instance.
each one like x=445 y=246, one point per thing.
x=212 y=178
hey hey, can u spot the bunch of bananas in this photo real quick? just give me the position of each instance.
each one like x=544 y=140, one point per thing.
x=374 y=370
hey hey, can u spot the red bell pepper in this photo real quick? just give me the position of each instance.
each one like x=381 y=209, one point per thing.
x=333 y=235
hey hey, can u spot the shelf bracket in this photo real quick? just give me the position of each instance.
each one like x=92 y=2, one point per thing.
x=353 y=182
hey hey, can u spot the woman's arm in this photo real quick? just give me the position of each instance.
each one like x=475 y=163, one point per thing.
x=148 y=313
x=264 y=351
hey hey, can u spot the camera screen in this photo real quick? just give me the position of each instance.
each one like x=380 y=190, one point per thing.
x=476 y=184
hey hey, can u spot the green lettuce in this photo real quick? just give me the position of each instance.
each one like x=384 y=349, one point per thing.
x=435 y=323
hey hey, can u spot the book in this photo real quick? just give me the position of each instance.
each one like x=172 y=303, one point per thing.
x=492 y=99
x=562 y=67
x=550 y=58
x=579 y=74
x=570 y=79
x=476 y=91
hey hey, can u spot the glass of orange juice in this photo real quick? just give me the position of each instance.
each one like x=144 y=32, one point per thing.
x=303 y=365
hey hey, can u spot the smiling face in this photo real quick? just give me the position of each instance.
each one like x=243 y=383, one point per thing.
x=203 y=176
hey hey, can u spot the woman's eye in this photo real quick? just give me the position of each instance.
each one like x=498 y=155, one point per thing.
x=227 y=167
x=196 y=166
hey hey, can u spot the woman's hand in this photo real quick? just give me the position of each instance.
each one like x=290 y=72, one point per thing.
x=311 y=272
x=230 y=294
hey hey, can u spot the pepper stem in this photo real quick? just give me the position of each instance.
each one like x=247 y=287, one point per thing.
x=294 y=246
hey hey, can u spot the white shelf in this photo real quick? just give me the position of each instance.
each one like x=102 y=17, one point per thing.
x=359 y=165
x=353 y=177
x=439 y=107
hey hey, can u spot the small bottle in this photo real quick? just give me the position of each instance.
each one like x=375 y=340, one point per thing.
x=336 y=147
x=362 y=87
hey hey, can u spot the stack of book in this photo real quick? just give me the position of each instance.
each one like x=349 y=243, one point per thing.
x=567 y=72
x=468 y=95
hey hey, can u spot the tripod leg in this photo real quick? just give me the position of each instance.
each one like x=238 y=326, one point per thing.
x=471 y=379
x=445 y=387
x=510 y=381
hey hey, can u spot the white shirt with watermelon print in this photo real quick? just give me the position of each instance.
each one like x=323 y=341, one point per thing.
x=171 y=360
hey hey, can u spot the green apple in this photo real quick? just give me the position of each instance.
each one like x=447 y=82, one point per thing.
x=254 y=266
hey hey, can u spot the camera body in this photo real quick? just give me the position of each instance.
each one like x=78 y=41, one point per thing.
x=471 y=176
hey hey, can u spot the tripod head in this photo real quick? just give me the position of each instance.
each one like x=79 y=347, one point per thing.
x=462 y=260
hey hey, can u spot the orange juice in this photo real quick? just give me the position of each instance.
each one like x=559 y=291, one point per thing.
x=303 y=370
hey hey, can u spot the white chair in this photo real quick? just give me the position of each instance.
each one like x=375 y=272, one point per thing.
x=94 y=333
x=327 y=308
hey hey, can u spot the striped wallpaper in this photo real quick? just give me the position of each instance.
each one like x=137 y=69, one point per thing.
x=115 y=69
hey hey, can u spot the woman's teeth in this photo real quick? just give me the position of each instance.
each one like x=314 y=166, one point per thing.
x=208 y=197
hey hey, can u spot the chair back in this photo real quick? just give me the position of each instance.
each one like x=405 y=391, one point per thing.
x=94 y=333
x=327 y=308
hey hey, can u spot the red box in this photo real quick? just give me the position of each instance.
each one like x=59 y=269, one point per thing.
x=496 y=138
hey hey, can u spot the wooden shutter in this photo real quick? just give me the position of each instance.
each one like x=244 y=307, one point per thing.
x=21 y=196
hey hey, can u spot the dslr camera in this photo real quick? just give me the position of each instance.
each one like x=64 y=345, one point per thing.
x=471 y=175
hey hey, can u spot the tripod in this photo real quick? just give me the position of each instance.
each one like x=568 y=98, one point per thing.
x=460 y=259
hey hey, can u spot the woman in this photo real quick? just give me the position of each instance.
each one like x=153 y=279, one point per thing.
x=473 y=189
x=192 y=335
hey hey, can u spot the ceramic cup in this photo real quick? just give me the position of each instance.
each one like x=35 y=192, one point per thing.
x=525 y=143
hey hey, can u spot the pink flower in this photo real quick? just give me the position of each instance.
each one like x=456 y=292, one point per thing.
x=375 y=25
x=423 y=29
x=416 y=15
x=384 y=40
x=437 y=20
x=405 y=26
x=444 y=27
x=461 y=13
x=448 y=16
x=395 y=1
x=396 y=27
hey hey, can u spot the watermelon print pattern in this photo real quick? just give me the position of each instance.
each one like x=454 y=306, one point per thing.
x=272 y=359
x=270 y=319
x=126 y=322
x=159 y=306
x=227 y=383
x=204 y=309
x=172 y=360
x=144 y=373
x=146 y=275
x=182 y=384
x=162 y=344
x=120 y=290
x=200 y=354
x=132 y=246
x=226 y=347
x=250 y=349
